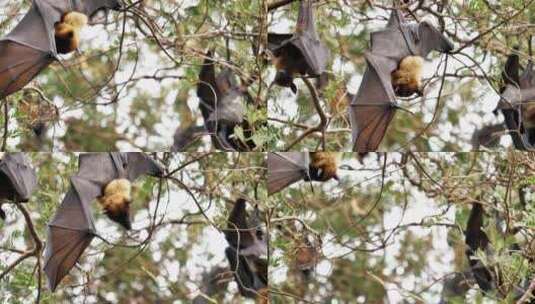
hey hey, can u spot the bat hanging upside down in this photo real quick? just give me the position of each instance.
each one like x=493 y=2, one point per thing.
x=323 y=166
x=116 y=201
x=67 y=31
x=407 y=79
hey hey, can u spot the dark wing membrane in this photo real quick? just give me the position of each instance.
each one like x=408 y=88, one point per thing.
x=511 y=72
x=430 y=39
x=19 y=64
x=207 y=89
x=71 y=230
x=316 y=53
x=369 y=125
x=142 y=164
x=276 y=40
x=477 y=239
x=285 y=169
x=183 y=138
x=393 y=43
x=527 y=79
x=246 y=277
x=19 y=178
x=91 y=7
x=374 y=106
x=237 y=233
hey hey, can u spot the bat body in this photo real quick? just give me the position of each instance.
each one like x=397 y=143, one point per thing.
x=72 y=228
x=67 y=31
x=394 y=68
x=221 y=106
x=476 y=239
x=116 y=201
x=17 y=178
x=244 y=235
x=286 y=168
x=31 y=45
x=301 y=53
x=247 y=244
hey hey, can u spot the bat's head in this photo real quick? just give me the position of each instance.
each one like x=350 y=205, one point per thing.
x=121 y=217
x=116 y=202
x=285 y=79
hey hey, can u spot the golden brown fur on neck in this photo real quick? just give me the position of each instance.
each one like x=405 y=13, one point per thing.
x=116 y=201
x=67 y=31
x=407 y=79
x=326 y=162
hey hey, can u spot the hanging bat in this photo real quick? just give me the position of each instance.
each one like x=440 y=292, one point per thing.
x=476 y=239
x=221 y=106
x=99 y=176
x=48 y=29
x=250 y=273
x=286 y=168
x=301 y=53
x=244 y=234
x=455 y=286
x=306 y=257
x=394 y=68
x=17 y=178
x=517 y=103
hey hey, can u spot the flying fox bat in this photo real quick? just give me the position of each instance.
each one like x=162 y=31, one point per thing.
x=17 y=179
x=286 y=168
x=306 y=257
x=244 y=232
x=33 y=44
x=72 y=228
x=394 y=67
x=301 y=53
x=517 y=103
x=221 y=106
x=476 y=239
x=250 y=273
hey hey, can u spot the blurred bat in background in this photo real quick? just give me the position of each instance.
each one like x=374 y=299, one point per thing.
x=301 y=53
x=517 y=103
x=476 y=239
x=34 y=43
x=222 y=106
x=394 y=68
x=101 y=176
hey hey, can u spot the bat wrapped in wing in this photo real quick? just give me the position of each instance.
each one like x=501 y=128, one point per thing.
x=394 y=68
x=517 y=103
x=244 y=233
x=50 y=27
x=301 y=53
x=17 y=177
x=476 y=239
x=286 y=168
x=250 y=273
x=102 y=176
x=222 y=106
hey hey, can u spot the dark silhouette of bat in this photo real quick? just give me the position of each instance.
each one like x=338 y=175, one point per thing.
x=517 y=103
x=286 y=168
x=72 y=228
x=17 y=179
x=488 y=136
x=247 y=243
x=476 y=239
x=250 y=273
x=31 y=45
x=456 y=285
x=221 y=106
x=301 y=53
x=243 y=232
x=394 y=67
